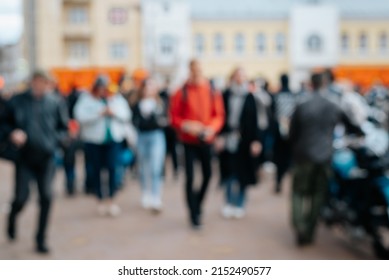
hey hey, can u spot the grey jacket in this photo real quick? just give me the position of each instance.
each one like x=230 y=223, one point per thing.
x=312 y=129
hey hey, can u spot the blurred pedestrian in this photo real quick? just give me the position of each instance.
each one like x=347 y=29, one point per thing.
x=170 y=134
x=39 y=126
x=150 y=118
x=102 y=116
x=197 y=114
x=238 y=144
x=285 y=103
x=311 y=138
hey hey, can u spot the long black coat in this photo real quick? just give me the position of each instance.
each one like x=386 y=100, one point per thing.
x=241 y=164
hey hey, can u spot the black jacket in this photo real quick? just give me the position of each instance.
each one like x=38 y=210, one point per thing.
x=156 y=120
x=241 y=164
x=45 y=123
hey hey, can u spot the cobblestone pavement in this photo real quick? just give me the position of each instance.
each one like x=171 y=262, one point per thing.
x=77 y=232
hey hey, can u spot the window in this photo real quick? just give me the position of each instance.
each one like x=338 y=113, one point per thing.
x=280 y=43
x=260 y=43
x=363 y=43
x=77 y=15
x=314 y=43
x=167 y=45
x=383 y=43
x=118 y=50
x=239 y=43
x=79 y=50
x=219 y=43
x=345 y=43
x=199 y=44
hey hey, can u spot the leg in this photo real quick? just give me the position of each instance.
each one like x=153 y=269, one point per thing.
x=301 y=181
x=144 y=164
x=23 y=176
x=241 y=197
x=88 y=161
x=158 y=153
x=190 y=195
x=112 y=152
x=96 y=164
x=44 y=176
x=69 y=165
x=205 y=160
x=320 y=188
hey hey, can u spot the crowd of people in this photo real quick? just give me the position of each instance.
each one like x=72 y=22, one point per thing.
x=243 y=127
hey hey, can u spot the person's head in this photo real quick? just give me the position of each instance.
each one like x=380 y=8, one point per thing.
x=328 y=77
x=284 y=81
x=100 y=87
x=195 y=70
x=316 y=82
x=40 y=83
x=238 y=76
x=148 y=89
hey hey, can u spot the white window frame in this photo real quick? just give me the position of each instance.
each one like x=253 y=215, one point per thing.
x=199 y=44
x=260 y=43
x=218 y=43
x=77 y=15
x=363 y=43
x=345 y=43
x=240 y=43
x=280 y=43
x=118 y=50
x=383 y=43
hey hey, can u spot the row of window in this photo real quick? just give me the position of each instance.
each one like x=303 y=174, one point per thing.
x=240 y=44
x=81 y=50
x=364 y=42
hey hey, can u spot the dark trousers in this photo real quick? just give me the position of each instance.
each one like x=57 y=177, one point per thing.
x=100 y=157
x=70 y=165
x=310 y=187
x=193 y=153
x=171 y=146
x=43 y=175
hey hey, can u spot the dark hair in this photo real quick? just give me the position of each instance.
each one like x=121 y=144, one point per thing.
x=329 y=75
x=284 y=80
x=317 y=81
x=40 y=74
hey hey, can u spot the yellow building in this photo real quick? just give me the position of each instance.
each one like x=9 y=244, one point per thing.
x=266 y=37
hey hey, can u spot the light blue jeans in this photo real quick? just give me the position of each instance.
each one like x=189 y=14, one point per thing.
x=235 y=194
x=151 y=156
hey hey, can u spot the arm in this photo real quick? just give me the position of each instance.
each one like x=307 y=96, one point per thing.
x=62 y=122
x=175 y=111
x=218 y=114
x=121 y=111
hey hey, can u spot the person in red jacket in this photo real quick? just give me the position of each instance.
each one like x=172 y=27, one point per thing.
x=197 y=114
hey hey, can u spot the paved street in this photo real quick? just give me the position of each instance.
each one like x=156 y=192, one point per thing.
x=77 y=232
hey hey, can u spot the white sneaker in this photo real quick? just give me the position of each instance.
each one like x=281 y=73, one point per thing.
x=114 y=210
x=228 y=211
x=102 y=209
x=146 y=201
x=239 y=212
x=156 y=205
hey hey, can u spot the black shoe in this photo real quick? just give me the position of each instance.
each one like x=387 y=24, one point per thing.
x=195 y=222
x=42 y=249
x=11 y=230
x=277 y=190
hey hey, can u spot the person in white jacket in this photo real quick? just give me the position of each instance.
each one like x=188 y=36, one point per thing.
x=103 y=118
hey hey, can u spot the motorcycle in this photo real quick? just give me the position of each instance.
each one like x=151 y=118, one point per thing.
x=359 y=192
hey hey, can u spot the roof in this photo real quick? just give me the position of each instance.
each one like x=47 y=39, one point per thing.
x=275 y=9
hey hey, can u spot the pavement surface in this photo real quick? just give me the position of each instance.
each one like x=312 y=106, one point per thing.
x=78 y=232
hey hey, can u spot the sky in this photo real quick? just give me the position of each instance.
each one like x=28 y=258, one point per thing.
x=11 y=21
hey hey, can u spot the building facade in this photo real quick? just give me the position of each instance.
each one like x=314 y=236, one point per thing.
x=266 y=37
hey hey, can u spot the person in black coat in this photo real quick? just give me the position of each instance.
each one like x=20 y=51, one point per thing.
x=238 y=144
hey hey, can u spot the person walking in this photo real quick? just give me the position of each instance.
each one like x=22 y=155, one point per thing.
x=150 y=119
x=311 y=138
x=239 y=143
x=285 y=103
x=39 y=126
x=102 y=116
x=197 y=115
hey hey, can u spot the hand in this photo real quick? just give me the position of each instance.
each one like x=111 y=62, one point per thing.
x=18 y=137
x=108 y=112
x=255 y=148
x=219 y=144
x=194 y=128
x=209 y=134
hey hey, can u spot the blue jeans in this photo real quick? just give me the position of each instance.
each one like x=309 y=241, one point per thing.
x=102 y=156
x=235 y=193
x=151 y=156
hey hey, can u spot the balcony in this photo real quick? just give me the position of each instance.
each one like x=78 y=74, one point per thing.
x=79 y=31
